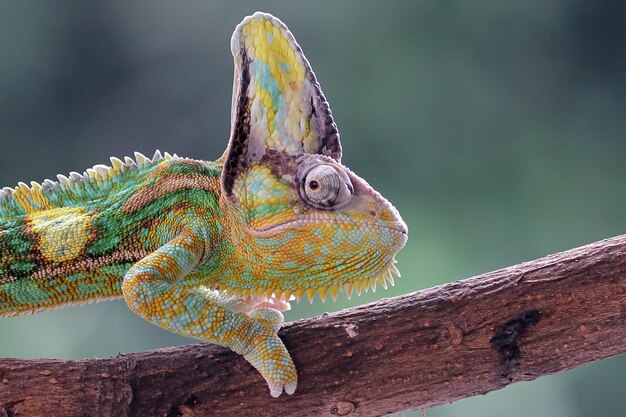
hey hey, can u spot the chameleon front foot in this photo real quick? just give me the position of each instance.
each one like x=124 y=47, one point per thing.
x=270 y=357
x=268 y=354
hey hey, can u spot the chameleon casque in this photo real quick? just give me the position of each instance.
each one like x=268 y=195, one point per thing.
x=212 y=250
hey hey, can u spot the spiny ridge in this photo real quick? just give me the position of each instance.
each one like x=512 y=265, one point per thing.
x=260 y=295
x=92 y=183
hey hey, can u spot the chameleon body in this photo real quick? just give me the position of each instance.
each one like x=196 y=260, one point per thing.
x=212 y=250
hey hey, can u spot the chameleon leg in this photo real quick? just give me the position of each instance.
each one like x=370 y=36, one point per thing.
x=154 y=288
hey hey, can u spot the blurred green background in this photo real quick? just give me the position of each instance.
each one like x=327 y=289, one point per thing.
x=496 y=128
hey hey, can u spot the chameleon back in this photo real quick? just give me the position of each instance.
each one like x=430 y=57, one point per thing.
x=70 y=241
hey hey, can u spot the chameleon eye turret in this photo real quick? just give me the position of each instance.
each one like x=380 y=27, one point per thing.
x=212 y=250
x=327 y=187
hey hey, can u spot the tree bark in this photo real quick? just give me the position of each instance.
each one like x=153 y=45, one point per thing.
x=405 y=353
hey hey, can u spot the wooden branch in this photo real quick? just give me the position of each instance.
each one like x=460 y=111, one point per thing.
x=405 y=353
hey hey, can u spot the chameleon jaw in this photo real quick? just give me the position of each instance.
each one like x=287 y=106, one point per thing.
x=279 y=299
x=300 y=221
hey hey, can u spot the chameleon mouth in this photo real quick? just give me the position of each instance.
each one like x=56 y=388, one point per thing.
x=398 y=227
x=279 y=299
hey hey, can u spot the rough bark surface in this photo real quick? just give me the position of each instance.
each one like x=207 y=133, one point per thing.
x=410 y=352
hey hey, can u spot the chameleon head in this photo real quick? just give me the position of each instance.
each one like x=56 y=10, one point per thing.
x=305 y=222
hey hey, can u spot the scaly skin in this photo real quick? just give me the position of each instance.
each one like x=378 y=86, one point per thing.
x=212 y=250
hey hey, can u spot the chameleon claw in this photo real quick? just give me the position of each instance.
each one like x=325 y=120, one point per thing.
x=291 y=388
x=277 y=388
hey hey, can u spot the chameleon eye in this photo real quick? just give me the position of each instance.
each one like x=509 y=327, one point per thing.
x=325 y=187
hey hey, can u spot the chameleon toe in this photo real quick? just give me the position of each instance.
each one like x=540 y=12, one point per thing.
x=291 y=388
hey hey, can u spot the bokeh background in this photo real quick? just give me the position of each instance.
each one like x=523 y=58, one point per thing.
x=496 y=128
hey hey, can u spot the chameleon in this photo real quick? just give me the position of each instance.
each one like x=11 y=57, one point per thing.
x=215 y=251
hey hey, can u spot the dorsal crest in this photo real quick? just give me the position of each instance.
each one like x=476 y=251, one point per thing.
x=277 y=103
x=71 y=190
